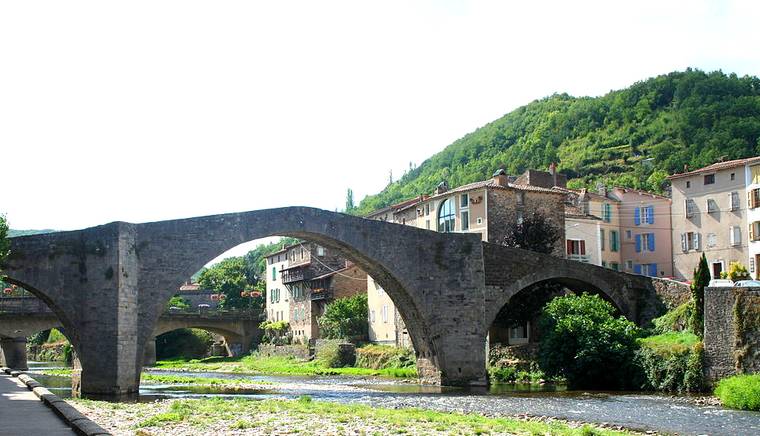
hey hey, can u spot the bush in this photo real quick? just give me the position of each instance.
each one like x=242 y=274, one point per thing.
x=178 y=302
x=740 y=392
x=671 y=362
x=583 y=342
x=185 y=343
x=328 y=355
x=384 y=356
x=345 y=318
x=676 y=320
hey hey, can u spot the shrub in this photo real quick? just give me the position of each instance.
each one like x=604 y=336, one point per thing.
x=345 y=318
x=186 y=343
x=740 y=392
x=178 y=302
x=671 y=362
x=675 y=320
x=384 y=356
x=328 y=355
x=583 y=342
x=737 y=271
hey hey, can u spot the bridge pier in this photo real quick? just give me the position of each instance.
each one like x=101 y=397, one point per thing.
x=150 y=353
x=14 y=353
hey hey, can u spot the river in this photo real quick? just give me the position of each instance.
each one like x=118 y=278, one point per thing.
x=636 y=410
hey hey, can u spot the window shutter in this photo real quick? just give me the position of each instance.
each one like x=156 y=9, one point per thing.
x=749 y=200
x=637 y=269
x=583 y=247
x=650 y=218
x=650 y=242
x=684 y=244
x=696 y=241
x=653 y=270
x=569 y=247
x=637 y=216
x=638 y=243
x=738 y=235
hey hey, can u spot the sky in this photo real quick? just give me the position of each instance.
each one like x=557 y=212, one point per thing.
x=150 y=110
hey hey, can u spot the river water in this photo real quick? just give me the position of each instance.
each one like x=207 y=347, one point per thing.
x=637 y=411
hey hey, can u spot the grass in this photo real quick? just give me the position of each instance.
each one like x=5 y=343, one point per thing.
x=312 y=416
x=671 y=342
x=278 y=365
x=740 y=392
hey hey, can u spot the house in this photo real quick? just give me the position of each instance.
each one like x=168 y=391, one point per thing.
x=302 y=279
x=710 y=215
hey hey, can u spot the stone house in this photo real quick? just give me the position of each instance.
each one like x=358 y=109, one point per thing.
x=710 y=215
x=302 y=279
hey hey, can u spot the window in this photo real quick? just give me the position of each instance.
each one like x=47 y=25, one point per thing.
x=712 y=206
x=576 y=247
x=690 y=207
x=754 y=231
x=464 y=201
x=519 y=217
x=519 y=333
x=688 y=184
x=735 y=235
x=733 y=176
x=709 y=179
x=385 y=313
x=446 y=216
x=520 y=198
x=628 y=234
x=645 y=242
x=643 y=215
x=601 y=239
x=615 y=266
x=372 y=316
x=689 y=241
x=629 y=265
x=427 y=209
x=480 y=220
x=754 y=198
x=734 y=200
x=427 y=224
x=711 y=240
x=465 y=218
x=615 y=240
x=320 y=251
x=607 y=212
x=274 y=273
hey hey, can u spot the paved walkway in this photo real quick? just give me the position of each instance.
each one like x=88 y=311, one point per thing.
x=22 y=413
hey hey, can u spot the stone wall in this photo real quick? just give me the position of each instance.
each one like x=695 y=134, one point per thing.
x=732 y=332
x=503 y=208
x=296 y=351
x=671 y=292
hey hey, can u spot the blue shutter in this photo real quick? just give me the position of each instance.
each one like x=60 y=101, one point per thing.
x=650 y=218
x=650 y=242
x=637 y=269
x=638 y=243
x=652 y=270
x=637 y=216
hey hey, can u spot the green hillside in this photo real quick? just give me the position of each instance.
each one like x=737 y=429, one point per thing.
x=633 y=137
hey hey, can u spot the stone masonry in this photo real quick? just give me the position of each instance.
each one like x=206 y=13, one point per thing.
x=108 y=285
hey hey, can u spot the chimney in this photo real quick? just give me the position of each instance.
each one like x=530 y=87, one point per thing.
x=553 y=172
x=500 y=177
x=442 y=187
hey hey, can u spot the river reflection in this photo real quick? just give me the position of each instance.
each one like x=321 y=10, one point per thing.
x=635 y=410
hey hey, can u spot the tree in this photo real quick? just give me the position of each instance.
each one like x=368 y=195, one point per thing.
x=583 y=341
x=534 y=233
x=350 y=200
x=698 y=285
x=229 y=278
x=737 y=271
x=345 y=318
x=5 y=244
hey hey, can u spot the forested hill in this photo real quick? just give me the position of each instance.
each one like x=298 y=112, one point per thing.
x=632 y=137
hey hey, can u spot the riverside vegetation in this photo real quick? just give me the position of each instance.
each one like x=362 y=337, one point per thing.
x=304 y=416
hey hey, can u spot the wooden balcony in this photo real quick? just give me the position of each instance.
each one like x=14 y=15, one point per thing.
x=295 y=275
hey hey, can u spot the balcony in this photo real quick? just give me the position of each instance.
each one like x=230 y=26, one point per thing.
x=295 y=275
x=320 y=294
x=585 y=258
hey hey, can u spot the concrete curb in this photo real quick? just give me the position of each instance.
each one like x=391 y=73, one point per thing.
x=81 y=424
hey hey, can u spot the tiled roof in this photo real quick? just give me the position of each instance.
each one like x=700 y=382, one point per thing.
x=586 y=193
x=190 y=287
x=639 y=191
x=578 y=213
x=717 y=167
x=491 y=183
x=398 y=207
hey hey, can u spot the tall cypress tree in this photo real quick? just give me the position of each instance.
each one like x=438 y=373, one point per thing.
x=698 y=285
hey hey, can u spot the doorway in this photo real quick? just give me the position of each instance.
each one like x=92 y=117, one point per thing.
x=717 y=268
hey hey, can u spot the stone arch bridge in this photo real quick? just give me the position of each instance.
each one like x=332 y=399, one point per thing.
x=108 y=284
x=238 y=328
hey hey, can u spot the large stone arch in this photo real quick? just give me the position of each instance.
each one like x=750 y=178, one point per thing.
x=112 y=281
